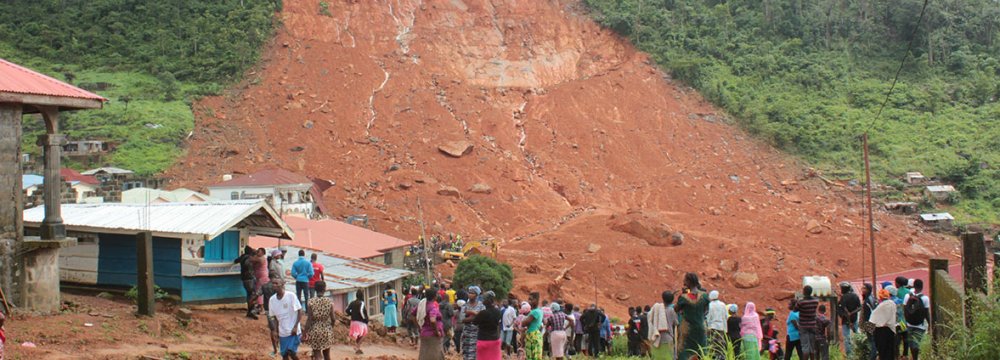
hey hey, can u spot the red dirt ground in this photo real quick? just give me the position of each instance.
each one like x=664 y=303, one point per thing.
x=581 y=139
x=116 y=333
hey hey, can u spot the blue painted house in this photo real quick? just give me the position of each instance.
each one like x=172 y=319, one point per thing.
x=194 y=244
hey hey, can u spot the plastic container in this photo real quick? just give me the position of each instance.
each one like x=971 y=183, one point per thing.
x=821 y=285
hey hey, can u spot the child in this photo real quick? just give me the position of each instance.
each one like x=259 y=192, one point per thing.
x=822 y=329
x=3 y=337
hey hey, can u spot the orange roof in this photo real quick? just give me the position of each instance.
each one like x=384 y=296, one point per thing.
x=21 y=80
x=73 y=175
x=334 y=237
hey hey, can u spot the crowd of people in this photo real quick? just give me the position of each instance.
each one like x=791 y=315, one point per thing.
x=687 y=323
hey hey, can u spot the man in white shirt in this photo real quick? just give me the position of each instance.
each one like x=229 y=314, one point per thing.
x=509 y=315
x=284 y=317
x=916 y=316
x=716 y=319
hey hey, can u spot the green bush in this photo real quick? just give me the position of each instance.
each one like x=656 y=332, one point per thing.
x=980 y=341
x=158 y=294
x=486 y=273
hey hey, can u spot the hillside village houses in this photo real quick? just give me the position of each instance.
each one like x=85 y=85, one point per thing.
x=289 y=193
x=939 y=192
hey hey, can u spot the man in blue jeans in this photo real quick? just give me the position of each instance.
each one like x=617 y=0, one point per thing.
x=302 y=270
x=848 y=309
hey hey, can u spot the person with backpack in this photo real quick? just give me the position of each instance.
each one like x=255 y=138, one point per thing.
x=632 y=331
x=916 y=310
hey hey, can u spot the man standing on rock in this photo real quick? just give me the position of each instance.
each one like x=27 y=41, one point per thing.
x=284 y=318
x=807 y=322
x=302 y=271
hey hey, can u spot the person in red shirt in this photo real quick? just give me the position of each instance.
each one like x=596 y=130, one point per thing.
x=317 y=276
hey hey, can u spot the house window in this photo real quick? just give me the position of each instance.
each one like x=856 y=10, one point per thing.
x=235 y=195
x=224 y=248
x=387 y=258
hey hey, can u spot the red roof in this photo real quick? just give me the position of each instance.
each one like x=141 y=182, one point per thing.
x=334 y=237
x=21 y=80
x=266 y=178
x=73 y=175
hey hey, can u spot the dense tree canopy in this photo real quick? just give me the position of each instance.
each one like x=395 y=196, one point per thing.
x=149 y=58
x=486 y=273
x=809 y=76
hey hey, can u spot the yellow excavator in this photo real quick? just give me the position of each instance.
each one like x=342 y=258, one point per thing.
x=485 y=247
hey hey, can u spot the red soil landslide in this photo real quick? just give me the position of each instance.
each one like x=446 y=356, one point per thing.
x=593 y=157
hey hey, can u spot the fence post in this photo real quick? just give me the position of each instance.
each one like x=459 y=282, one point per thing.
x=935 y=284
x=973 y=263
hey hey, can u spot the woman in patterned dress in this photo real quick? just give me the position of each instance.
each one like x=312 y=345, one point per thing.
x=319 y=325
x=470 y=331
x=533 y=335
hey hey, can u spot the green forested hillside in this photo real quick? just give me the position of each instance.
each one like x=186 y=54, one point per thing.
x=809 y=76
x=149 y=58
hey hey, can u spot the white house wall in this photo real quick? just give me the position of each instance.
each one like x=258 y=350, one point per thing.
x=78 y=263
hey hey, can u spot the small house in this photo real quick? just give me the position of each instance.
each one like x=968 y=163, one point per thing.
x=939 y=192
x=344 y=276
x=343 y=239
x=86 y=187
x=938 y=221
x=194 y=244
x=902 y=207
x=287 y=192
x=914 y=178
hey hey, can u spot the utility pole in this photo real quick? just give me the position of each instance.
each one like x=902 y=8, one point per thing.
x=423 y=237
x=871 y=211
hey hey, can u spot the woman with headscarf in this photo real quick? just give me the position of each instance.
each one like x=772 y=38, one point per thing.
x=884 y=318
x=558 y=324
x=751 y=332
x=390 y=317
x=470 y=332
x=429 y=319
x=733 y=324
x=519 y=328
x=488 y=343
x=691 y=305
x=359 y=321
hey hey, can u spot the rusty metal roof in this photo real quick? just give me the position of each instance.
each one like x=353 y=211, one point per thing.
x=342 y=274
x=21 y=80
x=268 y=177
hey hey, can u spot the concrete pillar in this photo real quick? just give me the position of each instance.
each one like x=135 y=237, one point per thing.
x=40 y=279
x=144 y=273
x=52 y=225
x=11 y=197
x=935 y=315
x=974 y=263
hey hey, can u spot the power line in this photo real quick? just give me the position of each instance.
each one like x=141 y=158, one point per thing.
x=902 y=62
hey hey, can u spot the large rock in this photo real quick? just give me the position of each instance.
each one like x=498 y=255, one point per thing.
x=917 y=251
x=592 y=248
x=814 y=227
x=746 y=280
x=448 y=191
x=456 y=148
x=481 y=188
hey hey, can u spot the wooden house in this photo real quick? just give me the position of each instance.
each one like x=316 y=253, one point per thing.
x=194 y=244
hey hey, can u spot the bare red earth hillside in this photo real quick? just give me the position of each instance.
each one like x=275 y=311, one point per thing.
x=586 y=156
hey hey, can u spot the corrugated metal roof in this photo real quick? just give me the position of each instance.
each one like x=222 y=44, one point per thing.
x=109 y=170
x=266 y=178
x=208 y=219
x=343 y=273
x=147 y=195
x=941 y=188
x=29 y=180
x=937 y=216
x=21 y=80
x=338 y=237
x=73 y=175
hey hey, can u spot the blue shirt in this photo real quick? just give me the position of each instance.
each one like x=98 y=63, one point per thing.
x=793 y=332
x=302 y=270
